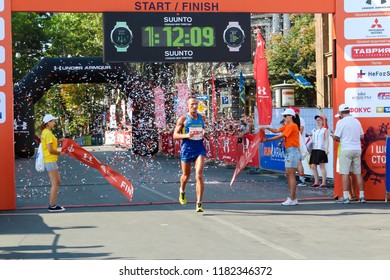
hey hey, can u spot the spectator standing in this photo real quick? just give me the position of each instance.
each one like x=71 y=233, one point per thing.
x=301 y=171
x=290 y=134
x=349 y=133
x=50 y=158
x=319 y=154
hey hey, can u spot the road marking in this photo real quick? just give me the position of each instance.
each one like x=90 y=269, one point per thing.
x=263 y=241
x=160 y=194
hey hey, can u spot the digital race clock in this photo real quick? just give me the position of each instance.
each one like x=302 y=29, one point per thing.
x=175 y=37
x=178 y=36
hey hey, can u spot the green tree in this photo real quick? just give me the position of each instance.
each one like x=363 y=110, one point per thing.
x=294 y=51
x=73 y=35
x=29 y=41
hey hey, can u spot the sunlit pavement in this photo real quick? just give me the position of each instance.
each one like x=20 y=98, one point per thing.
x=245 y=221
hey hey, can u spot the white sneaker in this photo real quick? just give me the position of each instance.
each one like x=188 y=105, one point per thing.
x=301 y=183
x=290 y=202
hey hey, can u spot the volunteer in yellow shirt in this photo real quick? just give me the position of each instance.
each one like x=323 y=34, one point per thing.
x=50 y=157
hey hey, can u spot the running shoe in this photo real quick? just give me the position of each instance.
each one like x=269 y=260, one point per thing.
x=343 y=201
x=301 y=183
x=290 y=202
x=182 y=198
x=55 y=208
x=199 y=207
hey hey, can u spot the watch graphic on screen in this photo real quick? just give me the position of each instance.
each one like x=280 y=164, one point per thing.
x=121 y=36
x=233 y=36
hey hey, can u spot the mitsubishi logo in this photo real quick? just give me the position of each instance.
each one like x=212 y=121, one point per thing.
x=376 y=24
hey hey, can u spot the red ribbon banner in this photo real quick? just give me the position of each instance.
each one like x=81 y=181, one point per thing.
x=249 y=154
x=114 y=178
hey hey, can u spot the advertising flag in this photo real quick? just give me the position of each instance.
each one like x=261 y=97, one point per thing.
x=182 y=95
x=159 y=108
x=301 y=80
x=213 y=99
x=263 y=90
x=114 y=178
x=242 y=88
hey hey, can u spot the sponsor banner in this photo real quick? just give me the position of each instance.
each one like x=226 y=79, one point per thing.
x=211 y=148
x=167 y=143
x=227 y=148
x=367 y=74
x=354 y=6
x=368 y=102
x=362 y=51
x=272 y=155
x=367 y=28
x=2 y=107
x=367 y=52
x=388 y=165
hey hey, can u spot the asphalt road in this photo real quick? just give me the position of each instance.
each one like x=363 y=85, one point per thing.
x=245 y=222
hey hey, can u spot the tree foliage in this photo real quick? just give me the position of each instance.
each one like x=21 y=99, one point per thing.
x=29 y=41
x=38 y=35
x=294 y=51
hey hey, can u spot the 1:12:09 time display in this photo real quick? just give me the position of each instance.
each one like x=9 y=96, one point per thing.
x=178 y=36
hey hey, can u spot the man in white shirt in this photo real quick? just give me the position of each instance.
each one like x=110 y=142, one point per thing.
x=349 y=133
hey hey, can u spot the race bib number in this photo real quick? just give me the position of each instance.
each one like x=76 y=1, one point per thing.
x=198 y=133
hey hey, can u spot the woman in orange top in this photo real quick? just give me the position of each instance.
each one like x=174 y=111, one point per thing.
x=290 y=134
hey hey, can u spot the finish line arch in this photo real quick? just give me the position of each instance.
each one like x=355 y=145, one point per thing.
x=7 y=161
x=50 y=71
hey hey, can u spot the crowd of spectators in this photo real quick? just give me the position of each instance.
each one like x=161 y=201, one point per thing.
x=225 y=125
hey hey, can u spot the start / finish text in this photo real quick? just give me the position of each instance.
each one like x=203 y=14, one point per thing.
x=150 y=6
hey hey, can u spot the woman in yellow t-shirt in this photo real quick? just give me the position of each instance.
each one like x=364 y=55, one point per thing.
x=50 y=157
x=290 y=134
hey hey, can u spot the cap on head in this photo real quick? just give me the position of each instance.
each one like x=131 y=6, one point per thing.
x=296 y=109
x=289 y=111
x=343 y=107
x=47 y=118
x=318 y=117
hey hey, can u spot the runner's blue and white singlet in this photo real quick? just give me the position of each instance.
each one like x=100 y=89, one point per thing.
x=193 y=147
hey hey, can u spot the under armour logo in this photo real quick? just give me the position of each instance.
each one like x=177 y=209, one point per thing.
x=262 y=90
x=369 y=2
x=87 y=157
x=70 y=149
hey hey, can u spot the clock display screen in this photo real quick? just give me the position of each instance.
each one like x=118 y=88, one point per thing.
x=178 y=36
